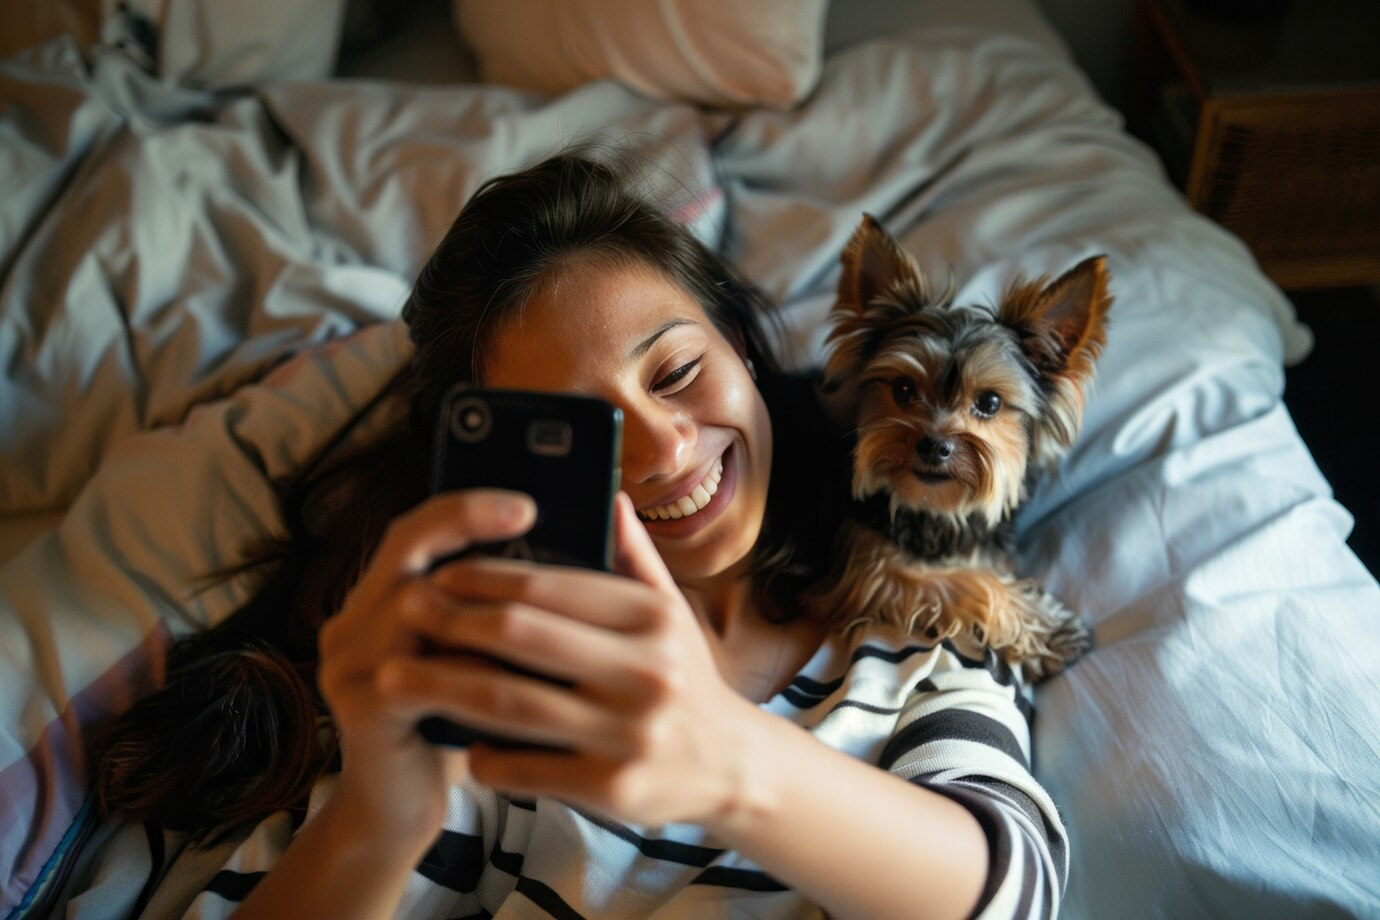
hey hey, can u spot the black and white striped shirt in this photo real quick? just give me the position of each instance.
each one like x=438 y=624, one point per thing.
x=955 y=723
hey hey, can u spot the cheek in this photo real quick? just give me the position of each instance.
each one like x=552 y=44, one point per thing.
x=733 y=400
x=738 y=405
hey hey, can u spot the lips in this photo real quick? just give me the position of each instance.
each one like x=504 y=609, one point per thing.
x=717 y=484
x=695 y=501
x=931 y=478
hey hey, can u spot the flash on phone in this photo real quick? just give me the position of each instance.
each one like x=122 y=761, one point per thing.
x=549 y=437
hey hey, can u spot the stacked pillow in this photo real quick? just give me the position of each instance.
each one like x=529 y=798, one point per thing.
x=713 y=53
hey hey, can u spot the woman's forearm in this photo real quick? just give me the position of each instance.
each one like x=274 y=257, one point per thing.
x=334 y=868
x=860 y=842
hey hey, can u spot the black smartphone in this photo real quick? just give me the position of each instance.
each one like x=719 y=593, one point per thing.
x=563 y=451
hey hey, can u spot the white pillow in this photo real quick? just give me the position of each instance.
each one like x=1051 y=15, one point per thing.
x=205 y=43
x=213 y=44
x=714 y=53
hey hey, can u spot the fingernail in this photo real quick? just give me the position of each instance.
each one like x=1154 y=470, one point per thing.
x=515 y=509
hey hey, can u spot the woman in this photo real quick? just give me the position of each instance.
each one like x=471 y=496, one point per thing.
x=669 y=775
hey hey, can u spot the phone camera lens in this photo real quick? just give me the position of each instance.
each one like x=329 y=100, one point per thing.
x=470 y=420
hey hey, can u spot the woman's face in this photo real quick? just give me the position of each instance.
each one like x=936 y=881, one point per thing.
x=696 y=434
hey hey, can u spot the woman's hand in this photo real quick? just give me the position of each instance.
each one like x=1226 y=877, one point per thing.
x=642 y=724
x=393 y=783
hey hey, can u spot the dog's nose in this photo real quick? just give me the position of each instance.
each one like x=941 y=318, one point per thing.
x=935 y=450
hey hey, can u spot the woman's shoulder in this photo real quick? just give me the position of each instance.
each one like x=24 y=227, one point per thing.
x=880 y=668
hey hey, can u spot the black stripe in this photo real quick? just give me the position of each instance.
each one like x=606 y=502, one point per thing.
x=482 y=915
x=742 y=879
x=1025 y=708
x=504 y=861
x=800 y=700
x=804 y=692
x=1023 y=705
x=960 y=724
x=455 y=861
x=546 y=898
x=1053 y=839
x=888 y=655
x=524 y=804
x=990 y=815
x=157 y=854
x=807 y=686
x=990 y=662
x=866 y=707
x=1028 y=882
x=297 y=814
x=989 y=818
x=234 y=886
x=685 y=854
x=1002 y=844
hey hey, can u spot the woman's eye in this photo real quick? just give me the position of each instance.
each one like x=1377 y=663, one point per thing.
x=902 y=390
x=987 y=404
x=677 y=375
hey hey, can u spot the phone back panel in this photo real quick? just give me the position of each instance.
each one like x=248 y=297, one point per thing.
x=562 y=450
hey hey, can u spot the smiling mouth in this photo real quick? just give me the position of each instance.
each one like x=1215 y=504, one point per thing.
x=691 y=504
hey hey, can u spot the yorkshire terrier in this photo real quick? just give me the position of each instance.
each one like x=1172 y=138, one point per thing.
x=955 y=411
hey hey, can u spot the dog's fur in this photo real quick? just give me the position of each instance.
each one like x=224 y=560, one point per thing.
x=955 y=410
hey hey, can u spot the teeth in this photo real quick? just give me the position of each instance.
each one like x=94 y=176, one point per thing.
x=695 y=501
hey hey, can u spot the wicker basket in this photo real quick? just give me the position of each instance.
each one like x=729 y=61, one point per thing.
x=1297 y=176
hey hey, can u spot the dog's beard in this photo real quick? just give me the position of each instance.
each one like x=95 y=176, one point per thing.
x=985 y=479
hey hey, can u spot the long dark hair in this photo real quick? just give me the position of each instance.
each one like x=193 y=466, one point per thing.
x=239 y=730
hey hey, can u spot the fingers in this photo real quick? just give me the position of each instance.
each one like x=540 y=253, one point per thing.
x=593 y=597
x=634 y=553
x=449 y=523
x=596 y=598
x=529 y=637
x=485 y=696
x=565 y=774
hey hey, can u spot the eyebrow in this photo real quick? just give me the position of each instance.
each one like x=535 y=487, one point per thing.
x=641 y=348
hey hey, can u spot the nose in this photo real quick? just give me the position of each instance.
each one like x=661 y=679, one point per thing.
x=656 y=443
x=935 y=451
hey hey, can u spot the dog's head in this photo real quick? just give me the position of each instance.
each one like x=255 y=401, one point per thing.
x=954 y=404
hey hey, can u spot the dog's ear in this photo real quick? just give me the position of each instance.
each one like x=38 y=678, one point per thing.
x=873 y=265
x=1062 y=326
x=880 y=285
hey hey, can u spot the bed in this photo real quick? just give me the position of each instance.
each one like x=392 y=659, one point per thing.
x=201 y=266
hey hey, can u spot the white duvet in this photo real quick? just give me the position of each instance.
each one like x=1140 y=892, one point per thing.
x=161 y=249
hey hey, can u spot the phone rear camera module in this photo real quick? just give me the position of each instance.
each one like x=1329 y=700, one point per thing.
x=549 y=437
x=470 y=420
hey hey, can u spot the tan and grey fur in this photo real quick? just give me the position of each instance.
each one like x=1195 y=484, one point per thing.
x=954 y=410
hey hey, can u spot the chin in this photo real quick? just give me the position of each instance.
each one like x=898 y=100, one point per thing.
x=952 y=497
x=710 y=557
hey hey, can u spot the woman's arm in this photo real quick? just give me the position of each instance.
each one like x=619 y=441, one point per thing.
x=337 y=867
x=647 y=732
x=861 y=842
x=953 y=823
x=354 y=858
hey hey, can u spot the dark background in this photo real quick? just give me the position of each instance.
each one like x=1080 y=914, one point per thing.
x=1334 y=397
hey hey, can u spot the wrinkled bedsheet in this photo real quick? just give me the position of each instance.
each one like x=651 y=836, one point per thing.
x=163 y=249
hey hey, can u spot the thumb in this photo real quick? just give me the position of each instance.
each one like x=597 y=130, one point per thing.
x=634 y=554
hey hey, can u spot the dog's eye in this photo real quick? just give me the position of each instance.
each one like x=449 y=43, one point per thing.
x=987 y=404
x=902 y=390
